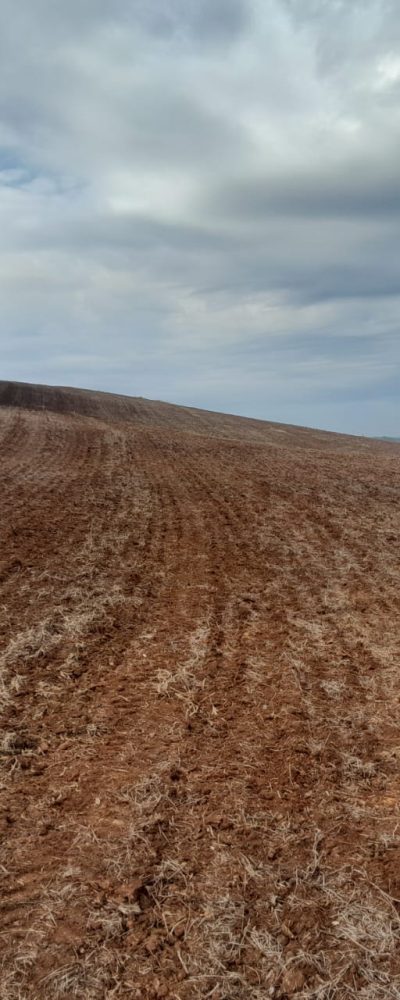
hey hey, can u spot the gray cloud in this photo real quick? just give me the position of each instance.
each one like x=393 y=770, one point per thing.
x=203 y=21
x=199 y=201
x=359 y=188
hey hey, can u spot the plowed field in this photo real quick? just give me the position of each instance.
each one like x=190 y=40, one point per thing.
x=200 y=687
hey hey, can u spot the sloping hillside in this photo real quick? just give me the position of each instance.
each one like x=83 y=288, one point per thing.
x=110 y=408
x=199 y=680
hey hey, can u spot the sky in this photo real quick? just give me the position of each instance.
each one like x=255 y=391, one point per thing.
x=200 y=202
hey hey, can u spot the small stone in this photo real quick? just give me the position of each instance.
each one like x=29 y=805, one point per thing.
x=282 y=940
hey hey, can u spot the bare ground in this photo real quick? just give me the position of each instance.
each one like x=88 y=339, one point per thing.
x=199 y=684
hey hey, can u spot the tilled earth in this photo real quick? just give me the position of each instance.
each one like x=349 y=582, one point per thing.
x=199 y=684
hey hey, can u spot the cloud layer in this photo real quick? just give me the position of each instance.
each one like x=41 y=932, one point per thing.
x=199 y=201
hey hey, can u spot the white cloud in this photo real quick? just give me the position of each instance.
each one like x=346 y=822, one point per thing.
x=387 y=71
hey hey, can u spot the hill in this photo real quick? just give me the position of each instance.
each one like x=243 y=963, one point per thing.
x=199 y=683
x=111 y=408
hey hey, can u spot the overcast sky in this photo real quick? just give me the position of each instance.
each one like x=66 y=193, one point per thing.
x=200 y=202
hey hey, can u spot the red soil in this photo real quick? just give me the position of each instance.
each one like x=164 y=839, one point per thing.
x=199 y=676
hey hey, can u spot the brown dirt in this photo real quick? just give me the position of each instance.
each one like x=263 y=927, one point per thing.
x=199 y=678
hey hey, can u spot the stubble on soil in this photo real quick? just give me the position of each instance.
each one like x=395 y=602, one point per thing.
x=199 y=686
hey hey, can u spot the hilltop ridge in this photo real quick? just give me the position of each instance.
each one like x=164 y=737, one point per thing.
x=112 y=407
